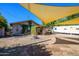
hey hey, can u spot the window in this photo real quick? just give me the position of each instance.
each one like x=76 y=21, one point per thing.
x=55 y=28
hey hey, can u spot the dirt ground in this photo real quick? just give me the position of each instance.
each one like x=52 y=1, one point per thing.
x=64 y=49
x=43 y=46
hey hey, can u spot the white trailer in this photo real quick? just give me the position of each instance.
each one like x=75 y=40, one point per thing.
x=66 y=29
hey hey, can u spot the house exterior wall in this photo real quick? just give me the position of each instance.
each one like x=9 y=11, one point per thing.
x=16 y=30
x=25 y=27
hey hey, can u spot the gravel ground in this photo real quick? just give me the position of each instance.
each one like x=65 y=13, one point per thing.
x=44 y=46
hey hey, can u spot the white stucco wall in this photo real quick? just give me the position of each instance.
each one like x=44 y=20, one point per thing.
x=67 y=29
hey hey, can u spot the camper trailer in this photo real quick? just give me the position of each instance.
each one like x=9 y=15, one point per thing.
x=66 y=29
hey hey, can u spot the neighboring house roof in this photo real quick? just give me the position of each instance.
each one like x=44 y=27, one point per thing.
x=25 y=21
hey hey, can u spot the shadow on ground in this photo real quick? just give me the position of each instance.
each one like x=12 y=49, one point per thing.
x=30 y=50
x=59 y=41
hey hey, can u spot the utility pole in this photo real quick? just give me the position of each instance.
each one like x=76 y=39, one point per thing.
x=29 y=8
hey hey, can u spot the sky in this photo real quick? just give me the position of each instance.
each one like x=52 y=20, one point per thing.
x=14 y=12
